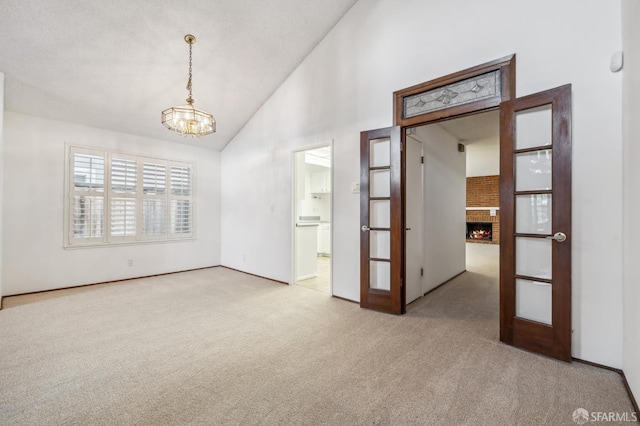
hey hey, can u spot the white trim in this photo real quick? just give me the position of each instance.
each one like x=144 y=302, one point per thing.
x=293 y=280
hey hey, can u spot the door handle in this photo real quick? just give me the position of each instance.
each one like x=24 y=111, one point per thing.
x=408 y=229
x=558 y=236
x=365 y=228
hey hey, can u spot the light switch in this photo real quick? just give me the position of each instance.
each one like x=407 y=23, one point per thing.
x=355 y=187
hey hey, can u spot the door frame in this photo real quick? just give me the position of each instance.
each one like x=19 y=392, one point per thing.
x=507 y=68
x=295 y=151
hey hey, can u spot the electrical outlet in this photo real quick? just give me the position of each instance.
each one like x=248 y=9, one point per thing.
x=130 y=262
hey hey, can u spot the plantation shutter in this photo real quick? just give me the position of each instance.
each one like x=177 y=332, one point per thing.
x=154 y=200
x=86 y=197
x=180 y=201
x=114 y=198
x=123 y=198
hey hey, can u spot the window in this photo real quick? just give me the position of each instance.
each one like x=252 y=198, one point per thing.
x=115 y=198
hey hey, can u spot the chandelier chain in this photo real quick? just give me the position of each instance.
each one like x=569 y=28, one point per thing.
x=190 y=74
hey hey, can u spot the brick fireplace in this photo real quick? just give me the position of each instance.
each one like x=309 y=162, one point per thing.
x=483 y=198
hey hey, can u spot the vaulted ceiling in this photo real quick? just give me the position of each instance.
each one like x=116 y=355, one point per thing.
x=117 y=64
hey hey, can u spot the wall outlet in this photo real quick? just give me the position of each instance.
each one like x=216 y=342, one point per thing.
x=129 y=262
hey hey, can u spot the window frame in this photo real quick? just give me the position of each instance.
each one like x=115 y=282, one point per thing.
x=138 y=195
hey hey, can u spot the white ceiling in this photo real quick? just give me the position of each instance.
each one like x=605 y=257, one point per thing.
x=478 y=128
x=117 y=64
x=318 y=159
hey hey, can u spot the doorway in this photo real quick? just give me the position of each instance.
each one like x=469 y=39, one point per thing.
x=451 y=198
x=312 y=214
x=535 y=200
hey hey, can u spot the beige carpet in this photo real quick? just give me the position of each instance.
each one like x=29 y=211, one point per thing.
x=220 y=347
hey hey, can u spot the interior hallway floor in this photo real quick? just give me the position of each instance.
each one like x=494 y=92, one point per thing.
x=322 y=282
x=478 y=285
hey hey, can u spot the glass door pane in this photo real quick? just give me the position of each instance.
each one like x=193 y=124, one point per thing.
x=380 y=275
x=533 y=214
x=533 y=153
x=380 y=153
x=533 y=301
x=380 y=183
x=533 y=257
x=533 y=170
x=380 y=214
x=534 y=127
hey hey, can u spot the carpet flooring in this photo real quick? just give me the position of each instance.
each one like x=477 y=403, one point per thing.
x=216 y=346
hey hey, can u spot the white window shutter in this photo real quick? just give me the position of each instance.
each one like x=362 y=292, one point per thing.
x=116 y=198
x=86 y=212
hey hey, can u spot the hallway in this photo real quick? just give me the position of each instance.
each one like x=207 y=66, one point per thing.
x=473 y=294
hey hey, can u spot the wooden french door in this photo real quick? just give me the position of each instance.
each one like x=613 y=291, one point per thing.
x=535 y=210
x=535 y=200
x=381 y=221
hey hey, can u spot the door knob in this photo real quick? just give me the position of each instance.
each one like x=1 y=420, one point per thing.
x=408 y=229
x=558 y=236
x=365 y=228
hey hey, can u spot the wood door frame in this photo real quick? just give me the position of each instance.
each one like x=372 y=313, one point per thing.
x=507 y=67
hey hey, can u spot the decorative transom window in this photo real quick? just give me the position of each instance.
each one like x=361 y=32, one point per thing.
x=115 y=198
x=480 y=87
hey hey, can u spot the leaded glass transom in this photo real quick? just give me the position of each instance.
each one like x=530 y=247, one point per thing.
x=480 y=87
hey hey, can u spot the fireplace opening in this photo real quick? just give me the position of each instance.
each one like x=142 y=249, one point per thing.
x=479 y=231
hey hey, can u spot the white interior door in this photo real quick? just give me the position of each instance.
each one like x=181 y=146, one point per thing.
x=413 y=219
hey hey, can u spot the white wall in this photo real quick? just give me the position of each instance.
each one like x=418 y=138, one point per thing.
x=631 y=230
x=1 y=174
x=33 y=255
x=483 y=158
x=345 y=85
x=445 y=191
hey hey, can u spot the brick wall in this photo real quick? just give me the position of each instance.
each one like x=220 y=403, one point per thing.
x=484 y=191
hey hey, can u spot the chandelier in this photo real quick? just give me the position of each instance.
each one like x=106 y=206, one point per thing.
x=187 y=119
